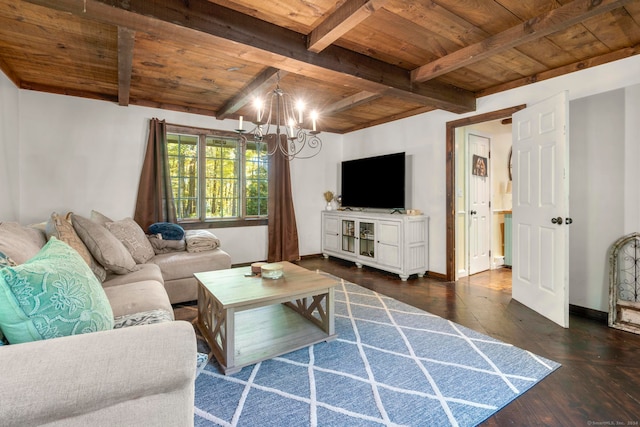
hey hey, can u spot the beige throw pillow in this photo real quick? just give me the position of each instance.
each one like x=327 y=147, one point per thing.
x=103 y=245
x=100 y=218
x=18 y=242
x=133 y=238
x=62 y=229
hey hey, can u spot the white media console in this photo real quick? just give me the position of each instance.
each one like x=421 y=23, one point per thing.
x=396 y=243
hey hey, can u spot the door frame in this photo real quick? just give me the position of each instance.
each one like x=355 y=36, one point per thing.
x=451 y=176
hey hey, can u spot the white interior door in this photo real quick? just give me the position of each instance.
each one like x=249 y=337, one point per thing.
x=479 y=212
x=540 y=208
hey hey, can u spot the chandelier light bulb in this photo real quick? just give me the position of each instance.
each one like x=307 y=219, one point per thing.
x=292 y=126
x=300 y=107
x=258 y=105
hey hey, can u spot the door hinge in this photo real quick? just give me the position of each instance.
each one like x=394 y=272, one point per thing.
x=489 y=204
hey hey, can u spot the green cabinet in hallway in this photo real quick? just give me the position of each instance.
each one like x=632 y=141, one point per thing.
x=507 y=240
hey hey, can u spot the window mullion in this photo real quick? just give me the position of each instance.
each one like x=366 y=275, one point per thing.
x=202 y=176
x=242 y=181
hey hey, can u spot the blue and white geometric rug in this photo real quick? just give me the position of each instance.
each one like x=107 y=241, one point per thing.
x=392 y=364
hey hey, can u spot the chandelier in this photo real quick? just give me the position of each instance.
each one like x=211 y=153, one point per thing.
x=277 y=115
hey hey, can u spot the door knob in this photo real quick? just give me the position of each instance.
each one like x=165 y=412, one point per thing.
x=557 y=220
x=568 y=221
x=473 y=212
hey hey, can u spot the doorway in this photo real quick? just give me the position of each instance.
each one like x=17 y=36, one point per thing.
x=540 y=278
x=482 y=199
x=452 y=217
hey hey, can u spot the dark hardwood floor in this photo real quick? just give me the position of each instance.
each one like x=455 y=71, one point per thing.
x=599 y=381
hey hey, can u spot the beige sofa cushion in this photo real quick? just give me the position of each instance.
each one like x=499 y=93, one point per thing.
x=180 y=265
x=20 y=243
x=137 y=297
x=144 y=272
x=104 y=246
x=133 y=238
x=138 y=376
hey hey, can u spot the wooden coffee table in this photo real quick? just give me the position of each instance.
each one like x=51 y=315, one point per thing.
x=249 y=319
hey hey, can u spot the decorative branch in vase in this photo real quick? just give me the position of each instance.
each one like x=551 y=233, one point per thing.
x=328 y=197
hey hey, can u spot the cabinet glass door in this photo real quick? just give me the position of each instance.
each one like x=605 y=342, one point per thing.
x=367 y=239
x=348 y=235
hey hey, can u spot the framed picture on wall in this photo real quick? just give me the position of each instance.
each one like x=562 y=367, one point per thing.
x=479 y=165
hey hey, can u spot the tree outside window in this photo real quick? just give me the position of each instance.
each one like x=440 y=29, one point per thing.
x=214 y=178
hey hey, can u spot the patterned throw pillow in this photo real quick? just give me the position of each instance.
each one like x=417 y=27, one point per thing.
x=54 y=294
x=133 y=238
x=143 y=318
x=5 y=261
x=62 y=229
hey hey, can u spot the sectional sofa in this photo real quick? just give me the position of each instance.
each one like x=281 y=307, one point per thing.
x=124 y=360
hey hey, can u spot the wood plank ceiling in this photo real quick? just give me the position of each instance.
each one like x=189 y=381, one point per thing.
x=359 y=62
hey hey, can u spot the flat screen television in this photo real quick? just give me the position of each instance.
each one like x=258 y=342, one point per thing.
x=374 y=182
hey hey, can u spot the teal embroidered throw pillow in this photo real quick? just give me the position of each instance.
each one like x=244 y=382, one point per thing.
x=5 y=261
x=53 y=294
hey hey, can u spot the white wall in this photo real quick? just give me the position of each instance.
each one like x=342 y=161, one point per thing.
x=310 y=179
x=9 y=151
x=632 y=159
x=597 y=199
x=79 y=154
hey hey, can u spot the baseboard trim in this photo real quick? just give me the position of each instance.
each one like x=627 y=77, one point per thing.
x=311 y=256
x=589 y=313
x=436 y=275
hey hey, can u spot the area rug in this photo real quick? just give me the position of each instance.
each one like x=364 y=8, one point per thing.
x=392 y=364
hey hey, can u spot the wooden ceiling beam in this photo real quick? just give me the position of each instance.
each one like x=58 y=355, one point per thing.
x=203 y=23
x=69 y=92
x=345 y=18
x=126 y=41
x=540 y=26
x=268 y=78
x=173 y=107
x=350 y=102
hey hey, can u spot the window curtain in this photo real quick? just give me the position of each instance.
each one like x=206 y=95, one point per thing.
x=155 y=197
x=283 y=231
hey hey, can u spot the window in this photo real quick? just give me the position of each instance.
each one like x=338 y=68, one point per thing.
x=216 y=180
